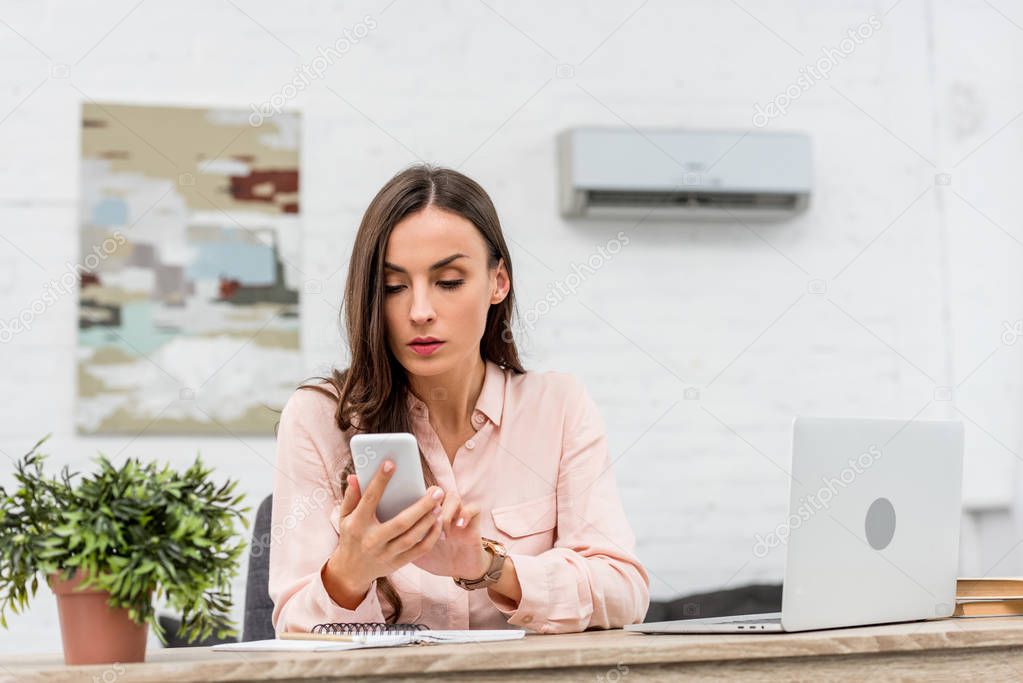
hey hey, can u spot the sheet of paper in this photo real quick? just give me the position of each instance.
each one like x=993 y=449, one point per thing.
x=470 y=635
x=281 y=645
x=371 y=640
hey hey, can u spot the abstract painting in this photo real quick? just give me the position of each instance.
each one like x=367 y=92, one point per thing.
x=188 y=318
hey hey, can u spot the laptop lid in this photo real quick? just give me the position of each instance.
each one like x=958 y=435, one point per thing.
x=874 y=518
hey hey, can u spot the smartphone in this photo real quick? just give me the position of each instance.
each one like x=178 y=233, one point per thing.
x=369 y=451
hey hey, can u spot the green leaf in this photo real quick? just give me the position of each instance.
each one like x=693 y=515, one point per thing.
x=135 y=528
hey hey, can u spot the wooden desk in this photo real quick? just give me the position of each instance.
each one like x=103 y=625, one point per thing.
x=953 y=649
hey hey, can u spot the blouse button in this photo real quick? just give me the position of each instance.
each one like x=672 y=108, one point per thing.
x=470 y=444
x=527 y=619
x=477 y=419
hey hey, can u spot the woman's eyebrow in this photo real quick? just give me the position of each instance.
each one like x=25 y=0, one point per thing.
x=439 y=264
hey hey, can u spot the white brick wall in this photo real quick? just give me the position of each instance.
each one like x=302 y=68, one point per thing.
x=923 y=289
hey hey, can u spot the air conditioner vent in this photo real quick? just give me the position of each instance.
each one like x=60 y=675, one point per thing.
x=683 y=175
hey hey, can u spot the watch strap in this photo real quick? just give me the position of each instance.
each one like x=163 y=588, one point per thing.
x=493 y=573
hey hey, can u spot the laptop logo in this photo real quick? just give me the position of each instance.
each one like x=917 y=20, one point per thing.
x=880 y=523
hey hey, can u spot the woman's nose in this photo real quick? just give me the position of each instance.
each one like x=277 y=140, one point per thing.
x=422 y=308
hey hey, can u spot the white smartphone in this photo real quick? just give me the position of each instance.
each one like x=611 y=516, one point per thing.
x=369 y=451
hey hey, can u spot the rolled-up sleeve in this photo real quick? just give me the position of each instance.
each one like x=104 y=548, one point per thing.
x=591 y=578
x=303 y=532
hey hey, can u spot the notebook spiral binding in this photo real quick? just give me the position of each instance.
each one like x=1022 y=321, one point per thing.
x=375 y=628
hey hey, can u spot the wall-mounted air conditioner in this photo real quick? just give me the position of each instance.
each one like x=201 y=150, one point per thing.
x=683 y=174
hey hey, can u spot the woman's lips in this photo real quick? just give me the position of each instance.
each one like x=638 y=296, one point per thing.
x=426 y=349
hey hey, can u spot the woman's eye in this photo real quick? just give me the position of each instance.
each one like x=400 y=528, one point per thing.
x=446 y=284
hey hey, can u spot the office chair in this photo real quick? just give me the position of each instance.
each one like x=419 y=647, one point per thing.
x=258 y=605
x=752 y=599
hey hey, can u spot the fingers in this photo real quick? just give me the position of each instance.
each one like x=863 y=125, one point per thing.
x=405 y=519
x=416 y=533
x=467 y=517
x=375 y=490
x=453 y=511
x=452 y=502
x=424 y=546
x=351 y=497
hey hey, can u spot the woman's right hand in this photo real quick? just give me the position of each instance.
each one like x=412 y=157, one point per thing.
x=367 y=548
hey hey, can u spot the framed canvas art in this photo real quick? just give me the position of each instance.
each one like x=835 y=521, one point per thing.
x=188 y=315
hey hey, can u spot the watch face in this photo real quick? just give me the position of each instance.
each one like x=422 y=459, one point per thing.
x=495 y=547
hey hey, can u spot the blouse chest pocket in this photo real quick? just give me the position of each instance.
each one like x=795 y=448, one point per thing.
x=530 y=524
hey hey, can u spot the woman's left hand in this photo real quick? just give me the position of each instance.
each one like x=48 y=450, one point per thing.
x=460 y=552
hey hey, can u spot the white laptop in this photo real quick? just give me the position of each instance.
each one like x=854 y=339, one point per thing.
x=872 y=535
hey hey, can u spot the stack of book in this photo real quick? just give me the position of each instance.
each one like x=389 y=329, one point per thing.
x=989 y=597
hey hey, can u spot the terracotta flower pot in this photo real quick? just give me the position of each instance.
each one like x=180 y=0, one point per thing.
x=93 y=632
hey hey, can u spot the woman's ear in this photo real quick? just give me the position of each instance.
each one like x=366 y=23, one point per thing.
x=502 y=284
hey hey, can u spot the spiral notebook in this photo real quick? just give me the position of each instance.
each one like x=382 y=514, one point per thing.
x=354 y=636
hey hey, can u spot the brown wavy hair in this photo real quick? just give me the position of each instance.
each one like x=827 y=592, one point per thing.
x=372 y=392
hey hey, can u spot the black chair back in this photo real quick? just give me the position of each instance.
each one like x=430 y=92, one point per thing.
x=258 y=605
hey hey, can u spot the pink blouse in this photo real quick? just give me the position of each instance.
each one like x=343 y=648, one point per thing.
x=539 y=469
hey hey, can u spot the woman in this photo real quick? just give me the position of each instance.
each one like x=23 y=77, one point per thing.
x=521 y=524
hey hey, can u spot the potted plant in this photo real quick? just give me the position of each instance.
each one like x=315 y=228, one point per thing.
x=109 y=541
